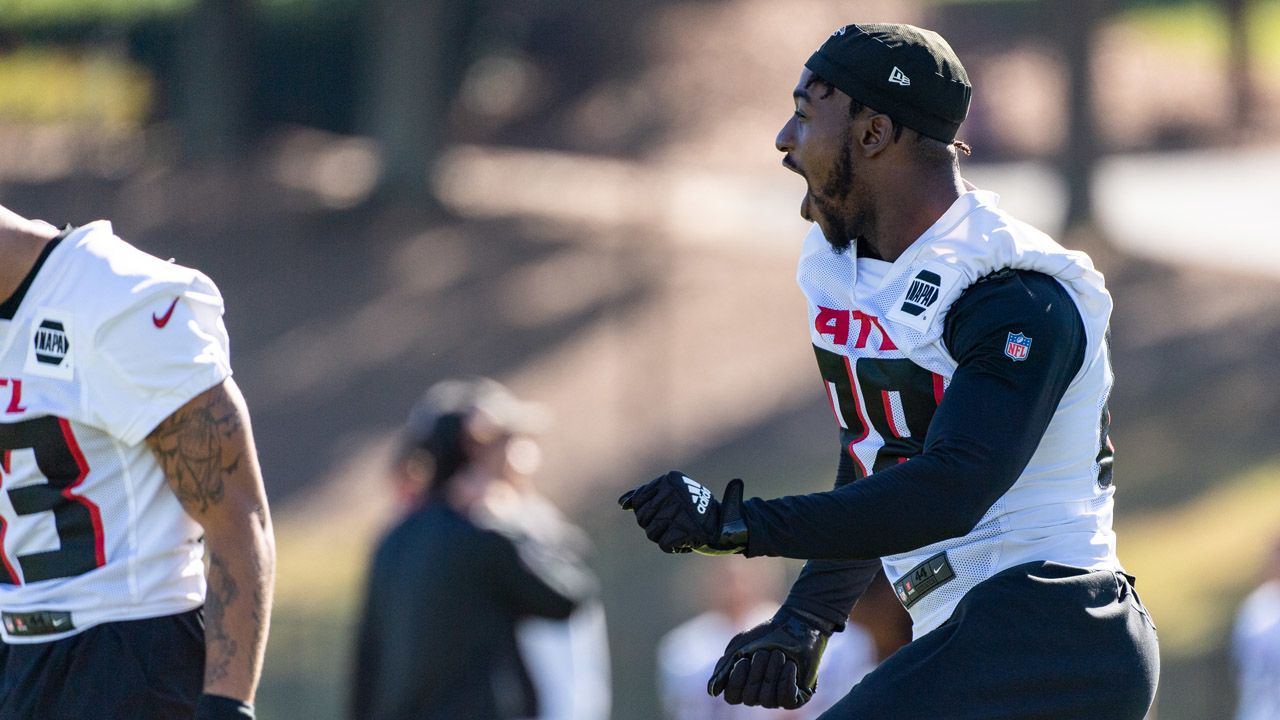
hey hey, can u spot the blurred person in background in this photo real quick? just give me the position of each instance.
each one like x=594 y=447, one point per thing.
x=455 y=591
x=735 y=594
x=877 y=627
x=126 y=461
x=965 y=357
x=738 y=594
x=1255 y=646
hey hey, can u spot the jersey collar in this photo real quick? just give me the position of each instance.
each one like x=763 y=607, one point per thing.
x=959 y=210
x=9 y=307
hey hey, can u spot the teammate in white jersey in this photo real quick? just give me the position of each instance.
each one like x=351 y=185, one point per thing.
x=1255 y=647
x=965 y=358
x=126 y=457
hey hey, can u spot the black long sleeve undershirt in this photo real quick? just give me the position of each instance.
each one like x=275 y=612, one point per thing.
x=982 y=436
x=828 y=589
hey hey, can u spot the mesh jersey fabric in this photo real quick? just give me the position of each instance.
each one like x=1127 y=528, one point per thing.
x=107 y=342
x=877 y=329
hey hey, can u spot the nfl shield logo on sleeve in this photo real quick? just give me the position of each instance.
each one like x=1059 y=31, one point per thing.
x=1018 y=347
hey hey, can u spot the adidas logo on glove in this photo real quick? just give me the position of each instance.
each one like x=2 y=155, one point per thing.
x=701 y=495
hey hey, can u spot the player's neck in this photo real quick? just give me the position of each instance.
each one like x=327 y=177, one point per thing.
x=21 y=241
x=905 y=214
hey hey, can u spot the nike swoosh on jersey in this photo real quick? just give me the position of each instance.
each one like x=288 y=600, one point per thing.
x=163 y=320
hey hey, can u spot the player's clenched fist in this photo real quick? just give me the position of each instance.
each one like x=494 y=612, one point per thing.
x=681 y=515
x=774 y=664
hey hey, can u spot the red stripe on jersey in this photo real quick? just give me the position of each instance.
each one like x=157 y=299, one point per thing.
x=15 y=397
x=939 y=386
x=99 y=552
x=864 y=328
x=886 y=342
x=866 y=428
x=888 y=414
x=13 y=574
x=853 y=454
x=832 y=398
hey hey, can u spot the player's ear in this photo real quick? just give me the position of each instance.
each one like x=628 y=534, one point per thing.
x=872 y=133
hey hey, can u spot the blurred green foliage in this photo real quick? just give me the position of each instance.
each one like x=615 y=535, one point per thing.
x=1194 y=562
x=16 y=14
x=118 y=62
x=305 y=54
x=48 y=84
x=1201 y=27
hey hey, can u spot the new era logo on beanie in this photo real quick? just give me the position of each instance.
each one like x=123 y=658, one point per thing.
x=910 y=74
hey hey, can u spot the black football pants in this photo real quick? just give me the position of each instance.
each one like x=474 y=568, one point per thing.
x=1040 y=640
x=135 y=670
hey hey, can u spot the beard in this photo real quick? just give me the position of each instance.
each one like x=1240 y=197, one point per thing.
x=832 y=201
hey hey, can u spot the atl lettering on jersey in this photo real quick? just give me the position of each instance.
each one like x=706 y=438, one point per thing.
x=11 y=396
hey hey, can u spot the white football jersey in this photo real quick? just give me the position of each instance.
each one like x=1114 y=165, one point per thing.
x=105 y=343
x=877 y=331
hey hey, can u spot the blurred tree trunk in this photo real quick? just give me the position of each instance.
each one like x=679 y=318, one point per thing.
x=1240 y=75
x=1077 y=24
x=213 y=78
x=417 y=55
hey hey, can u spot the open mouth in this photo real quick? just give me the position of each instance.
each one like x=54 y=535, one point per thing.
x=807 y=200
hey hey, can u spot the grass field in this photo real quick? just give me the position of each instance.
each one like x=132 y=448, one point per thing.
x=320 y=567
x=1195 y=562
x=1201 y=28
x=94 y=87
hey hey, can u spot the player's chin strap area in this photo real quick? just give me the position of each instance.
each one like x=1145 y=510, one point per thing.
x=733 y=527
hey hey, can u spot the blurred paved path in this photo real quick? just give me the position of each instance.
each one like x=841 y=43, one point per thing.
x=1220 y=208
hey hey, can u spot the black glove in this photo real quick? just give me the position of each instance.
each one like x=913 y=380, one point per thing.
x=774 y=664
x=217 y=707
x=681 y=516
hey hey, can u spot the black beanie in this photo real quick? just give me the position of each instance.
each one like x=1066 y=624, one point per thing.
x=908 y=73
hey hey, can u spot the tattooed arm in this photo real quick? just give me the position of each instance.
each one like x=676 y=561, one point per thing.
x=206 y=450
